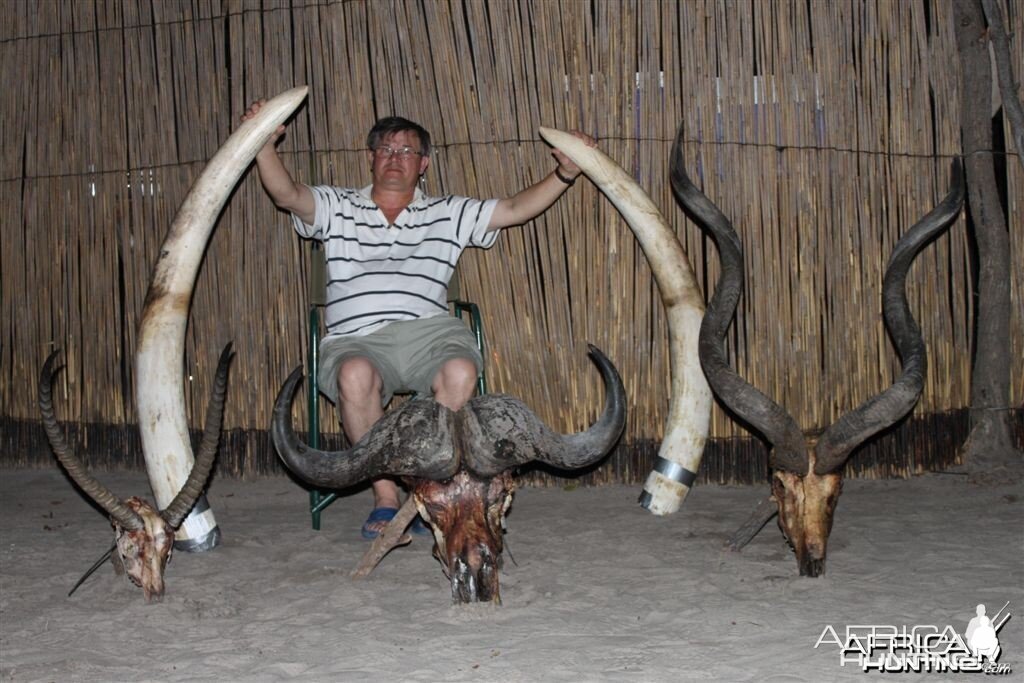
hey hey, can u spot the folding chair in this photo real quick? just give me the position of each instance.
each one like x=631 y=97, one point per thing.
x=319 y=499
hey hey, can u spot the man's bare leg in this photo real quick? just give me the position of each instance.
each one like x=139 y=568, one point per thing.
x=359 y=386
x=455 y=383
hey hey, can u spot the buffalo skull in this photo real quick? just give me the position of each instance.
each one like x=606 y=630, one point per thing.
x=458 y=466
x=807 y=469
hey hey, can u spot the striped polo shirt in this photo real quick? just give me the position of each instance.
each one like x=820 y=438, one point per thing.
x=379 y=273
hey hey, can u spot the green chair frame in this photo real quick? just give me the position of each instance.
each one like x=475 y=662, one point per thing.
x=319 y=499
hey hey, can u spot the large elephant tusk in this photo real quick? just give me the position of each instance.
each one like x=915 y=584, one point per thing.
x=686 y=428
x=159 y=386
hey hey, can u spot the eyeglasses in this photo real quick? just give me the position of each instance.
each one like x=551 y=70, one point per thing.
x=402 y=153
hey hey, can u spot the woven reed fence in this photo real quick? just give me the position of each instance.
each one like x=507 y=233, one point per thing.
x=822 y=129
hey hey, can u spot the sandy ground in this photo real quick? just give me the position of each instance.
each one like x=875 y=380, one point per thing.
x=600 y=589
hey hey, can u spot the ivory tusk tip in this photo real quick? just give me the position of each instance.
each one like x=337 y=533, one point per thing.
x=589 y=159
x=289 y=99
x=299 y=92
x=553 y=135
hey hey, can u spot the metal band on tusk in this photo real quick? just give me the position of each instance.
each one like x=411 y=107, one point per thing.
x=201 y=505
x=202 y=532
x=672 y=471
x=200 y=545
x=675 y=472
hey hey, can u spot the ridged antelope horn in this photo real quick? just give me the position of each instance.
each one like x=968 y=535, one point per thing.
x=186 y=498
x=113 y=505
x=159 y=389
x=768 y=417
x=686 y=428
x=886 y=408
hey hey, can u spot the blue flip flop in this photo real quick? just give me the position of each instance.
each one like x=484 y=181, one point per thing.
x=377 y=515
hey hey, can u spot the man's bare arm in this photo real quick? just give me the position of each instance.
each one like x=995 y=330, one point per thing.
x=534 y=200
x=277 y=181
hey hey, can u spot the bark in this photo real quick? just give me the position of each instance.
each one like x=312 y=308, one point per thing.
x=989 y=451
x=1004 y=70
x=392 y=536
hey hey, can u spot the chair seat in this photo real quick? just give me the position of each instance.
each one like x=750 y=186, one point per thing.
x=319 y=499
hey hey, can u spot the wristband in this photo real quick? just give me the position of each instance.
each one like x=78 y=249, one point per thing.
x=568 y=181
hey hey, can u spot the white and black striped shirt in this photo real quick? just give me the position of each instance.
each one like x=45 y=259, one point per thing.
x=379 y=273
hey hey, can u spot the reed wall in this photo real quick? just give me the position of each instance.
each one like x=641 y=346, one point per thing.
x=824 y=130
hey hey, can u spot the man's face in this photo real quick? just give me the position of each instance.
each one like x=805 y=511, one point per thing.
x=398 y=171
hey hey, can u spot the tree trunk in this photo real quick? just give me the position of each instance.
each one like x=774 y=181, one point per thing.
x=1004 y=69
x=989 y=452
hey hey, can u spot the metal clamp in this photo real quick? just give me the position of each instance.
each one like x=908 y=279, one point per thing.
x=672 y=471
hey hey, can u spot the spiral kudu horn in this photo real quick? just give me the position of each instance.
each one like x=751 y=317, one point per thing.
x=887 y=407
x=807 y=470
x=764 y=414
x=686 y=428
x=778 y=426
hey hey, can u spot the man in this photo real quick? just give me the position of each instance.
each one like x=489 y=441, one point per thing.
x=975 y=622
x=391 y=251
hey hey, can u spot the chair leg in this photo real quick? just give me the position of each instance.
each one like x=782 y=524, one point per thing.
x=314 y=508
x=318 y=500
x=313 y=407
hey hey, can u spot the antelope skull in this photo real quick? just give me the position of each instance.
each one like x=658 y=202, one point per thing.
x=458 y=466
x=144 y=535
x=807 y=471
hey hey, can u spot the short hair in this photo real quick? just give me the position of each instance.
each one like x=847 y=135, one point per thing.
x=389 y=125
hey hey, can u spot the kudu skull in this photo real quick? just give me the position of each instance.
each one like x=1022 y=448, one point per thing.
x=144 y=535
x=807 y=471
x=458 y=466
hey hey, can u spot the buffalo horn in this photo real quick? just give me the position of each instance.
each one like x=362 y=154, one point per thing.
x=499 y=432
x=413 y=440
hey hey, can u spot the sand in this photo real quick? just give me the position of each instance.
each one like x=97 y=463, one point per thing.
x=600 y=589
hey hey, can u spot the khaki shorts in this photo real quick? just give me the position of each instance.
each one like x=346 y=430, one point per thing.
x=406 y=353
